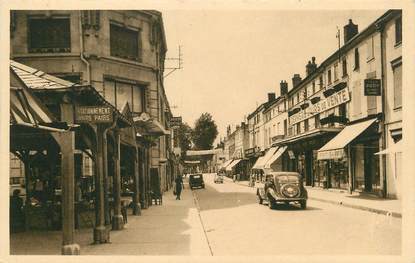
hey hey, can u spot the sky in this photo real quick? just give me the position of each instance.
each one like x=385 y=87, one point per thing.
x=233 y=58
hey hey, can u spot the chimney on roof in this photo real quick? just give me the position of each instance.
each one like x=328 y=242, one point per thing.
x=296 y=80
x=271 y=96
x=311 y=66
x=349 y=31
x=283 y=87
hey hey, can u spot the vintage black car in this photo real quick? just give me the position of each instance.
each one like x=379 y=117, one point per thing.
x=218 y=178
x=282 y=187
x=196 y=180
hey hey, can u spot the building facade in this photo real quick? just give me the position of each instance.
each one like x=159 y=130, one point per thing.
x=120 y=53
x=334 y=101
x=335 y=121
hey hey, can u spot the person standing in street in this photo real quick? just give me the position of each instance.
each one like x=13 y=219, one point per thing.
x=179 y=186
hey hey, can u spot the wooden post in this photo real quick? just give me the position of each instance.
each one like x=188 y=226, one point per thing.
x=136 y=197
x=66 y=141
x=117 y=219
x=27 y=172
x=101 y=234
x=144 y=176
x=105 y=177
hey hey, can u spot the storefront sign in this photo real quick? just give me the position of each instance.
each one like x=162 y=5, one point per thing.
x=333 y=154
x=93 y=114
x=330 y=102
x=372 y=87
x=175 y=122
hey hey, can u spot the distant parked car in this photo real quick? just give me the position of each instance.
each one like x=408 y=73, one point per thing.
x=218 y=178
x=196 y=180
x=283 y=187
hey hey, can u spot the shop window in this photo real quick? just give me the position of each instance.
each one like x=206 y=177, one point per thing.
x=329 y=77
x=344 y=67
x=398 y=31
x=49 y=35
x=370 y=48
x=397 y=86
x=125 y=43
x=356 y=59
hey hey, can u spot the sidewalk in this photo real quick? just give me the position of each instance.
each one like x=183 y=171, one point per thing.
x=390 y=207
x=173 y=228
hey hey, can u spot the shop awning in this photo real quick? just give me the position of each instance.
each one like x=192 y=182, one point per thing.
x=226 y=163
x=27 y=110
x=275 y=157
x=334 y=148
x=395 y=148
x=233 y=164
x=150 y=125
x=259 y=164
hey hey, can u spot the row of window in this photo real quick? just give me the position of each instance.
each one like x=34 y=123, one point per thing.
x=333 y=74
x=53 y=35
x=118 y=93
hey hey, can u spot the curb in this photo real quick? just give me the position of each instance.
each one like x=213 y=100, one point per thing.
x=364 y=208
x=196 y=202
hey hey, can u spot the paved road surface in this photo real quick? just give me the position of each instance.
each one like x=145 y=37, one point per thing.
x=235 y=224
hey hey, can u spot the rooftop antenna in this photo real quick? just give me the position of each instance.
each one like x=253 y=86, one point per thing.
x=179 y=65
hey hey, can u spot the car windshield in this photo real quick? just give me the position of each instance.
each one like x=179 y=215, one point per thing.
x=196 y=176
x=287 y=179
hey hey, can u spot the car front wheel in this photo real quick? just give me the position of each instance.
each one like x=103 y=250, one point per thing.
x=303 y=204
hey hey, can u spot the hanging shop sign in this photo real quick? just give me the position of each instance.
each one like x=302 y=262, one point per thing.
x=175 y=122
x=372 y=87
x=330 y=102
x=332 y=154
x=93 y=114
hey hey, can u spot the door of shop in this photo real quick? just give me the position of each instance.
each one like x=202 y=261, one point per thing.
x=371 y=168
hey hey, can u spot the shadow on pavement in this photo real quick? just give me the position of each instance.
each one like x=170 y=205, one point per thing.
x=209 y=198
x=293 y=207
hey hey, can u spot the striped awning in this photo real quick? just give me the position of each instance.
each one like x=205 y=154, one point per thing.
x=259 y=164
x=275 y=157
x=232 y=164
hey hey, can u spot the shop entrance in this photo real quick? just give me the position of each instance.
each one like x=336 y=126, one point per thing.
x=371 y=168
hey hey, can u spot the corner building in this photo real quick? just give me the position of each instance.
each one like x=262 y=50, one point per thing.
x=121 y=54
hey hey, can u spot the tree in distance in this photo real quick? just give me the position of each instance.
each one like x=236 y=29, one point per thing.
x=204 y=132
x=183 y=138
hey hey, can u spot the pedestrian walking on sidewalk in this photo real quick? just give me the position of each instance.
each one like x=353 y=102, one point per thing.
x=179 y=186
